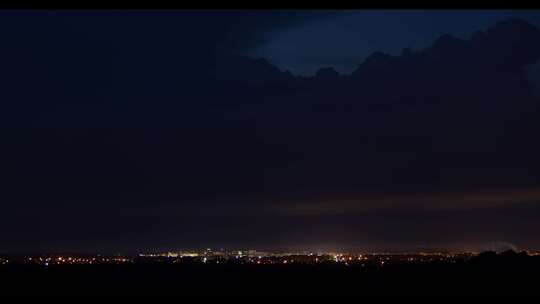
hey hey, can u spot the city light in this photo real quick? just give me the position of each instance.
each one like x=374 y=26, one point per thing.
x=253 y=257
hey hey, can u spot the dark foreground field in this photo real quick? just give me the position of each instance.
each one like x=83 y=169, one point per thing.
x=487 y=278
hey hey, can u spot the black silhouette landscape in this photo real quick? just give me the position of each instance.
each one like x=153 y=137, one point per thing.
x=487 y=274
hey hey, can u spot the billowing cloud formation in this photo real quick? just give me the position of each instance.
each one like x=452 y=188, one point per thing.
x=142 y=130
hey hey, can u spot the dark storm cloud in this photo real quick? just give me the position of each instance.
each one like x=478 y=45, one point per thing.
x=151 y=130
x=235 y=30
x=109 y=64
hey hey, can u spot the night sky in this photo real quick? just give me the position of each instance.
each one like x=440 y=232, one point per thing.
x=129 y=131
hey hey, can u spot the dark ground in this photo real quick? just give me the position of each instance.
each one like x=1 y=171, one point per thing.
x=486 y=276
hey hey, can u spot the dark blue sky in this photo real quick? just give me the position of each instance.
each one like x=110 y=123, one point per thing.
x=343 y=39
